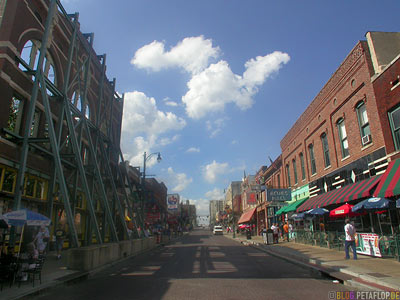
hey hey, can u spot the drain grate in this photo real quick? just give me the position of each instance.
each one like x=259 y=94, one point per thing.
x=379 y=275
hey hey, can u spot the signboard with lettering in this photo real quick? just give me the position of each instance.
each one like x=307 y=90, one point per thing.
x=173 y=201
x=279 y=195
x=368 y=244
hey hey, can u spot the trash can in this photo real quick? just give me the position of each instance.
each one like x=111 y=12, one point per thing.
x=248 y=234
x=270 y=237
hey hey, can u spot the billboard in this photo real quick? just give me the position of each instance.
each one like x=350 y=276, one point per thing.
x=173 y=201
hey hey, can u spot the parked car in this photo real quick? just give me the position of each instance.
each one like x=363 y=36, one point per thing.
x=218 y=230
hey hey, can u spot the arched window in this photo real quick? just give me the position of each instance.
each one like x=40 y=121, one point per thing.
x=288 y=174
x=294 y=170
x=325 y=149
x=303 y=170
x=344 y=144
x=30 y=55
x=78 y=103
x=312 y=159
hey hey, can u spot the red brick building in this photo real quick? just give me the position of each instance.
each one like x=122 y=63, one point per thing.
x=342 y=136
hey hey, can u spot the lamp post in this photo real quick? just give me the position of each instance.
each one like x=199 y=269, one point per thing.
x=146 y=158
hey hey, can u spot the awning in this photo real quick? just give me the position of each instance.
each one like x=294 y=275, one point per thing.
x=282 y=210
x=354 y=191
x=390 y=182
x=246 y=216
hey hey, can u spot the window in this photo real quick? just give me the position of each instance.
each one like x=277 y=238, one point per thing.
x=394 y=119
x=344 y=145
x=363 y=123
x=30 y=55
x=78 y=103
x=288 y=174
x=15 y=115
x=312 y=159
x=8 y=183
x=35 y=123
x=303 y=170
x=294 y=171
x=325 y=149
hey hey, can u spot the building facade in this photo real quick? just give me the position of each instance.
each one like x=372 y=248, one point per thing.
x=61 y=125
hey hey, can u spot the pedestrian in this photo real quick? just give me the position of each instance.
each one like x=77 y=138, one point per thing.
x=350 y=232
x=291 y=233
x=286 y=231
x=60 y=236
x=41 y=239
x=275 y=230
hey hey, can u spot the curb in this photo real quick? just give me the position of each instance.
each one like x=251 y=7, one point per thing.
x=347 y=277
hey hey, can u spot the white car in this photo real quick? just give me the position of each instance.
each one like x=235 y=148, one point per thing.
x=218 y=230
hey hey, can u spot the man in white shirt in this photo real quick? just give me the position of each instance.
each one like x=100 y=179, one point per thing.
x=350 y=232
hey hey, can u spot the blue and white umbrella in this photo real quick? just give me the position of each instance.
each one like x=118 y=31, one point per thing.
x=317 y=212
x=26 y=217
x=373 y=204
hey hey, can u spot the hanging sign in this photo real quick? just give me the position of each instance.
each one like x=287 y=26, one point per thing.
x=368 y=244
x=279 y=195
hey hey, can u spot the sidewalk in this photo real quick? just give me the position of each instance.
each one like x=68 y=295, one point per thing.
x=365 y=272
x=54 y=273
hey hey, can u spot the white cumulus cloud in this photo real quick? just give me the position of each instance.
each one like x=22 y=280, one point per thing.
x=216 y=86
x=213 y=170
x=193 y=54
x=178 y=181
x=193 y=150
x=215 y=194
x=143 y=126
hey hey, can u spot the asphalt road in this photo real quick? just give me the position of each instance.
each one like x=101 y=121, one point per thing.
x=201 y=266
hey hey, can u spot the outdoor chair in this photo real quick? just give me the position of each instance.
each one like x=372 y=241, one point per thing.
x=34 y=272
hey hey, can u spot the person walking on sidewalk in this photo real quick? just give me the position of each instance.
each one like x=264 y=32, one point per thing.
x=350 y=232
x=286 y=231
x=60 y=235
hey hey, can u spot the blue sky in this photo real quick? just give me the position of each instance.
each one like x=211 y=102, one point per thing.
x=214 y=85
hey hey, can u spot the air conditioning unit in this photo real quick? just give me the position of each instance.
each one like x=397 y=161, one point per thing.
x=366 y=139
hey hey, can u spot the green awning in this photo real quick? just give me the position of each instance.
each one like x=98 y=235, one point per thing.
x=295 y=205
x=280 y=211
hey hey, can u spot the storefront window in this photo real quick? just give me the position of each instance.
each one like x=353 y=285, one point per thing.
x=29 y=186
x=9 y=181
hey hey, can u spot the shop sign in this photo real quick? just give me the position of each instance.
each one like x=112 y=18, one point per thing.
x=173 y=201
x=279 y=195
x=368 y=244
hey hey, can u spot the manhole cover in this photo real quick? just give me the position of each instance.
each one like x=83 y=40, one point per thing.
x=377 y=275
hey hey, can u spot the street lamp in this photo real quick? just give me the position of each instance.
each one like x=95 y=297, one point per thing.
x=146 y=158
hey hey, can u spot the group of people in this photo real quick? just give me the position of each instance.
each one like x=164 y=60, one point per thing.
x=284 y=231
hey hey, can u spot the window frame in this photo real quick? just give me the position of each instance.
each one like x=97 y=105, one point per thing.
x=339 y=125
x=396 y=141
x=363 y=126
x=303 y=169
x=325 y=149
x=288 y=174
x=295 y=171
x=312 y=159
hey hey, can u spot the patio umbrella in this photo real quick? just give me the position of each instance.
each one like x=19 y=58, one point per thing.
x=342 y=211
x=317 y=212
x=24 y=217
x=373 y=204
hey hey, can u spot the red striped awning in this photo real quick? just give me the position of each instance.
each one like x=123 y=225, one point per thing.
x=390 y=183
x=354 y=191
x=246 y=216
